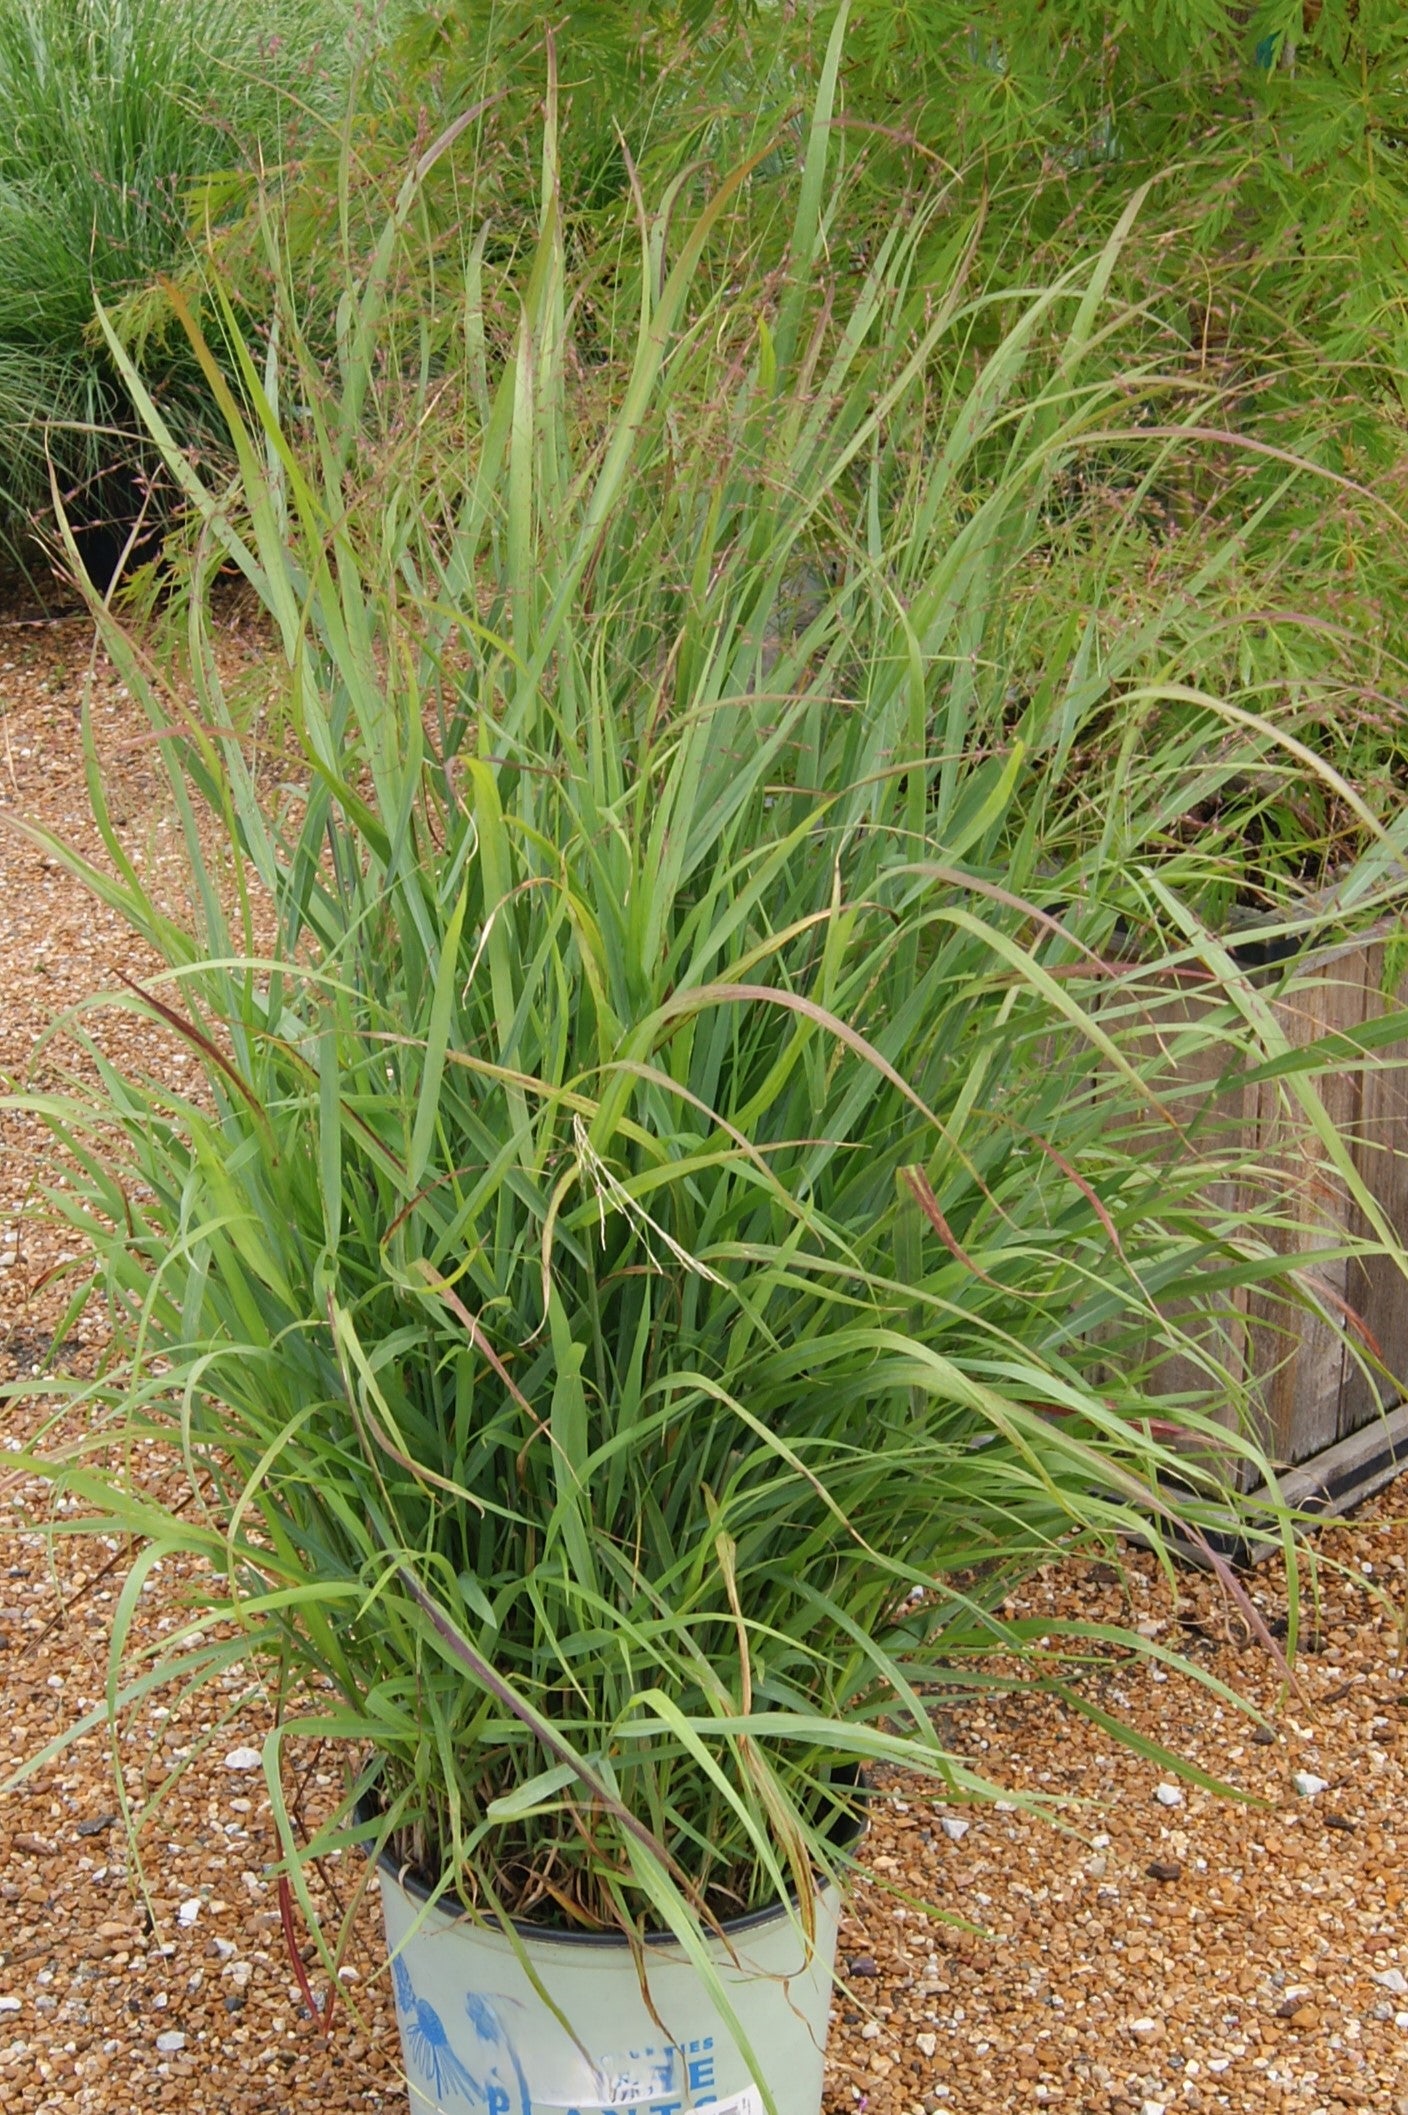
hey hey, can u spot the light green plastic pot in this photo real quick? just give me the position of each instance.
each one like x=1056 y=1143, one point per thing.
x=476 y=2034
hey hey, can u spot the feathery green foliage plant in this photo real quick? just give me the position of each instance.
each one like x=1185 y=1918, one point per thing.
x=1251 y=271
x=1276 y=129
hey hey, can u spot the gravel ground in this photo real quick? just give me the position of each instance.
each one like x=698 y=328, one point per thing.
x=1168 y=1950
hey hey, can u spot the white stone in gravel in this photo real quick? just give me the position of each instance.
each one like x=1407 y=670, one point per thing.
x=188 y=1912
x=11 y=2004
x=954 y=1829
x=926 y=2044
x=1168 y=1795
x=171 y=2043
x=1308 y=1784
x=1393 y=1981
x=1400 y=2019
x=226 y=1948
x=243 y=1759
x=1152 y=2107
x=1143 y=2028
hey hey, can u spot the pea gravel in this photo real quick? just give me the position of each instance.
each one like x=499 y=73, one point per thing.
x=1158 y=1953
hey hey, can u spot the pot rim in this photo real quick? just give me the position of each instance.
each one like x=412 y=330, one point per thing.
x=849 y=1832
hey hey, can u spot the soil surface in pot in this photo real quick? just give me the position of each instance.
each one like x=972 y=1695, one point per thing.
x=844 y=1825
x=1173 y=1951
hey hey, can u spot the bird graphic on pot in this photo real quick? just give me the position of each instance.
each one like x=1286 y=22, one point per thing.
x=443 y=2069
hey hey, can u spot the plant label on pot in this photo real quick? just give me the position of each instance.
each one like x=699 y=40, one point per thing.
x=747 y=2102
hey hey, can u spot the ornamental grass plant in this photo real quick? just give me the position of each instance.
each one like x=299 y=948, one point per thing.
x=698 y=1148
x=116 y=111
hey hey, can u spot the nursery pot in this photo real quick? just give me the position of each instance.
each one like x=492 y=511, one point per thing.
x=476 y=2034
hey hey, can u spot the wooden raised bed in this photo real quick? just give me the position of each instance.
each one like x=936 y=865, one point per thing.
x=1314 y=1393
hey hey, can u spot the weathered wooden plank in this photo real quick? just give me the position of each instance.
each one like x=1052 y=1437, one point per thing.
x=1297 y=1358
x=1312 y=1390
x=1377 y=1288
x=1220 y=1338
x=1336 y=1481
